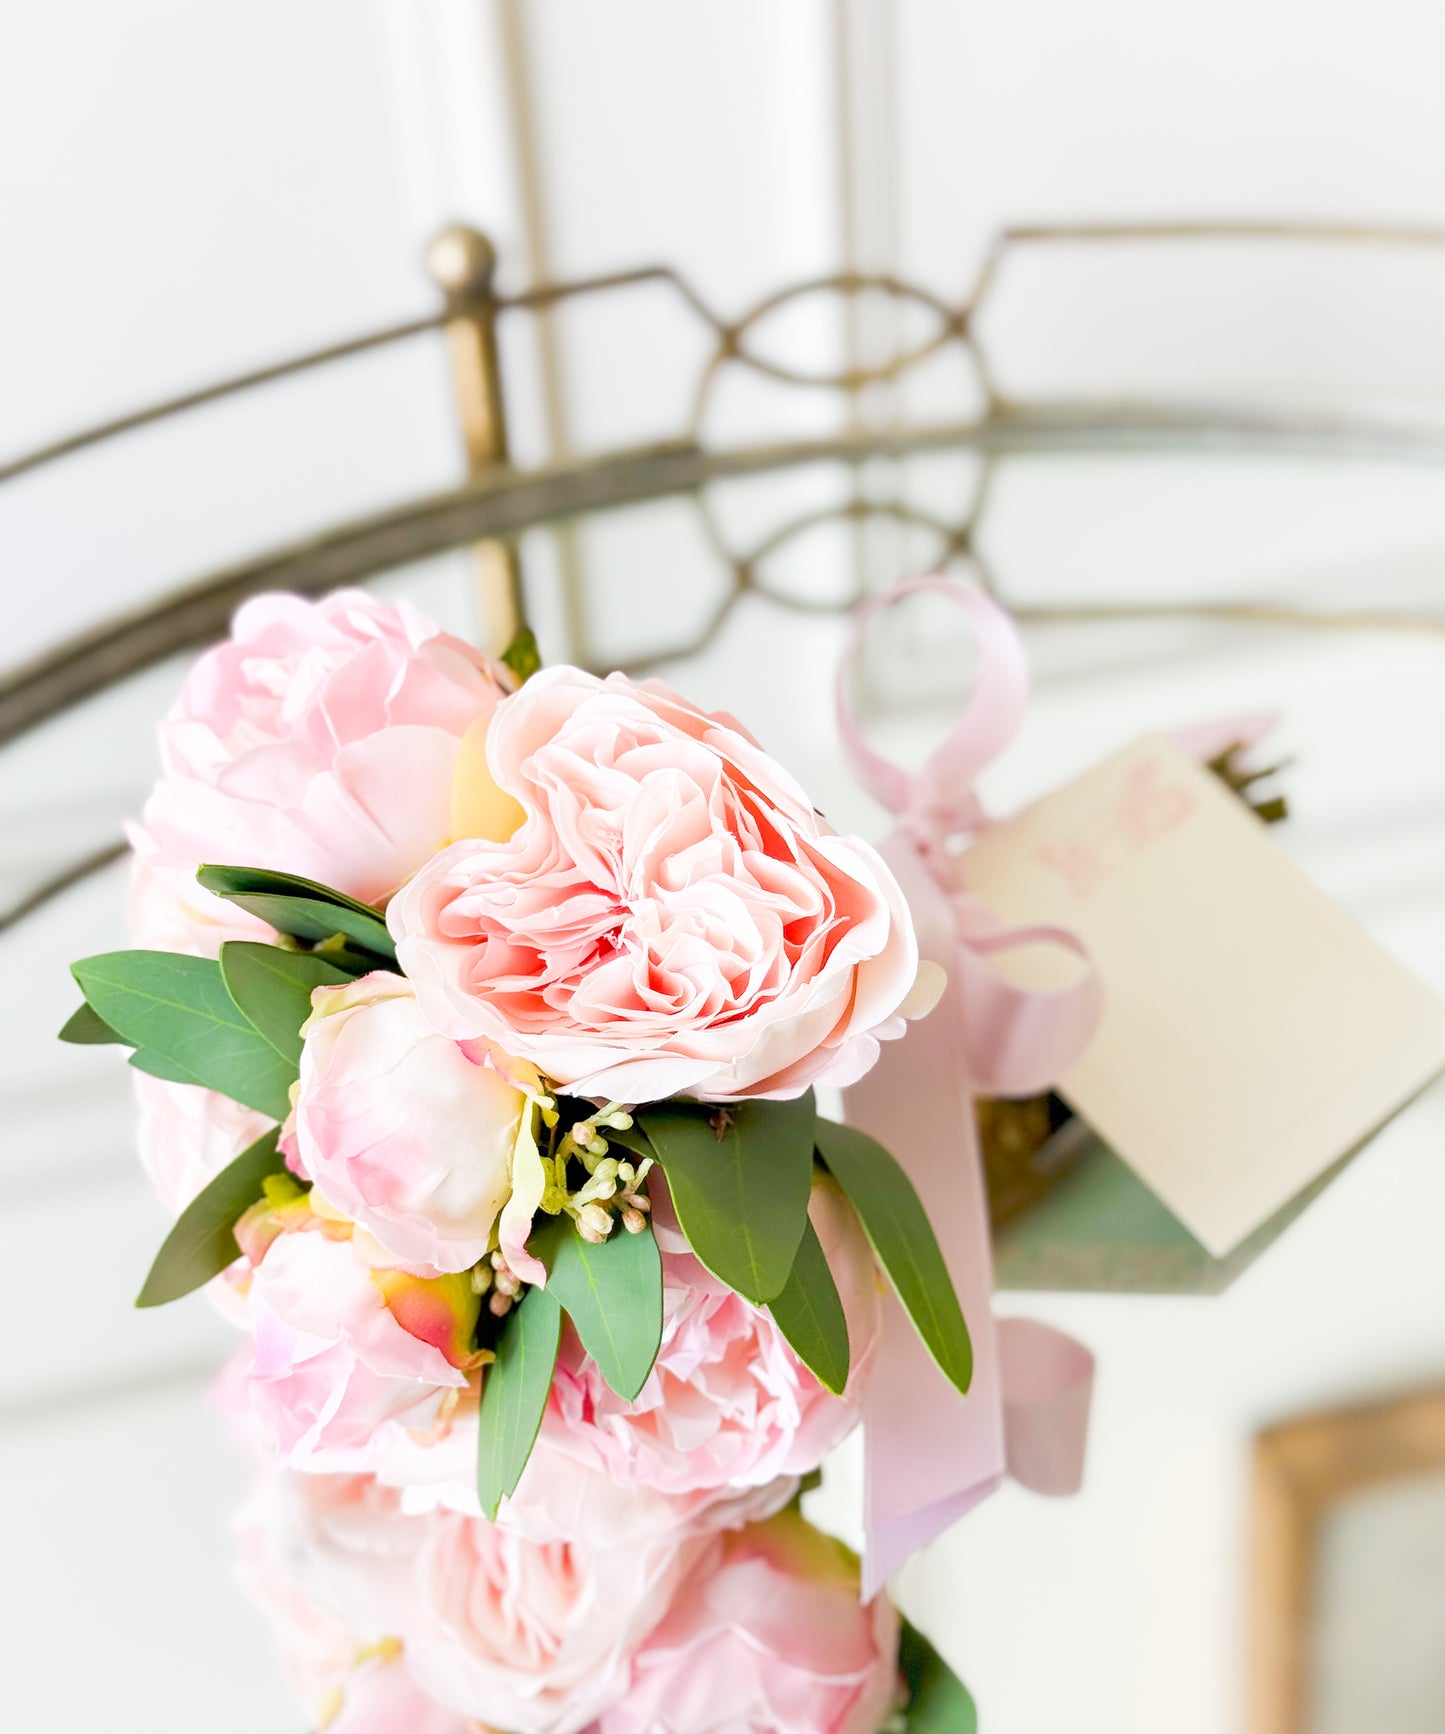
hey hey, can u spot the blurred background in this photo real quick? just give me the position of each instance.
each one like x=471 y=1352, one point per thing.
x=1163 y=448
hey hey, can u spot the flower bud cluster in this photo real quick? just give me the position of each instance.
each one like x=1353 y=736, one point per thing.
x=613 y=1189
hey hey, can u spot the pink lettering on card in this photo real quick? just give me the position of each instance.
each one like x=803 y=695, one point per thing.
x=1151 y=802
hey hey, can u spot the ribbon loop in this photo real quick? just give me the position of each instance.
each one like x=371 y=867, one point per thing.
x=945 y=786
x=931 y=1454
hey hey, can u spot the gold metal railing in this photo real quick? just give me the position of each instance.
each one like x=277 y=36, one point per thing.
x=498 y=501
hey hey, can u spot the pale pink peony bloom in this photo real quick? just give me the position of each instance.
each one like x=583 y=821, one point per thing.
x=319 y=739
x=188 y=1135
x=531 y=1637
x=168 y=910
x=381 y=1697
x=728 y=1404
x=567 y=1496
x=334 y=1377
x=318 y=1647
x=766 y=1633
x=534 y=1637
x=399 y=1129
x=566 y=1493
x=322 y=1557
x=345 y=1543
x=670 y=916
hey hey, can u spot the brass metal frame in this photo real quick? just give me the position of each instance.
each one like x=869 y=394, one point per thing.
x=464 y=263
x=498 y=501
x=1301 y=1469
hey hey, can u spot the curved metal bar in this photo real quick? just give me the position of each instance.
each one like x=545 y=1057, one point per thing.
x=952 y=323
x=51 y=888
x=855 y=511
x=1022 y=235
x=955 y=320
x=1232 y=229
x=506 y=501
x=94 y=436
x=544 y=296
x=1281 y=614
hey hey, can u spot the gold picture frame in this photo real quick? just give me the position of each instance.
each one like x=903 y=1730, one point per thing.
x=1305 y=1471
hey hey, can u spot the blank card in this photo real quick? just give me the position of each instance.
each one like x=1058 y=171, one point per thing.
x=1253 y=1033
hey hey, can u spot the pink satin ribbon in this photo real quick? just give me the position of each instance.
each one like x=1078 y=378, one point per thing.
x=930 y=1454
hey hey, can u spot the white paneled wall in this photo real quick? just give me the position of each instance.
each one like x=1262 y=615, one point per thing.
x=188 y=191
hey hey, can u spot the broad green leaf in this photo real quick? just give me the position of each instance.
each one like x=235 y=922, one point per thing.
x=938 y=1701
x=177 y=1010
x=514 y=1395
x=522 y=655
x=273 y=988
x=612 y=1292
x=810 y=1315
x=338 y=950
x=301 y=907
x=203 y=1243
x=159 y=1066
x=85 y=1025
x=739 y=1178
x=901 y=1235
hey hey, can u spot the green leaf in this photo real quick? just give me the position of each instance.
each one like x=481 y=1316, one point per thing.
x=203 y=1243
x=86 y=1026
x=938 y=1701
x=810 y=1315
x=901 y=1235
x=612 y=1292
x=159 y=1066
x=273 y=988
x=177 y=1010
x=514 y=1395
x=740 y=1178
x=522 y=655
x=301 y=907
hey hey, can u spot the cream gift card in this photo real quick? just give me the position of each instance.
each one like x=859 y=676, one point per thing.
x=1253 y=1032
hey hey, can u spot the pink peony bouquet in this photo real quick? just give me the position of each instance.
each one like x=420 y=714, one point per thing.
x=477 y=1012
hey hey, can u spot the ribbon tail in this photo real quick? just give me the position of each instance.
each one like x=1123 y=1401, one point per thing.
x=929 y=1454
x=1048 y=1385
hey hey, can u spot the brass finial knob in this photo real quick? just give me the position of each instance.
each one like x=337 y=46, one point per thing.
x=461 y=260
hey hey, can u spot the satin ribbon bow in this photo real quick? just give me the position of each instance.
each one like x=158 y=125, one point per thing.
x=930 y=1454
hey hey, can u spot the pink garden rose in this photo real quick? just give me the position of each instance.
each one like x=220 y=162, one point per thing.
x=399 y=1129
x=334 y=1375
x=728 y=1404
x=320 y=739
x=669 y=917
x=766 y=1634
